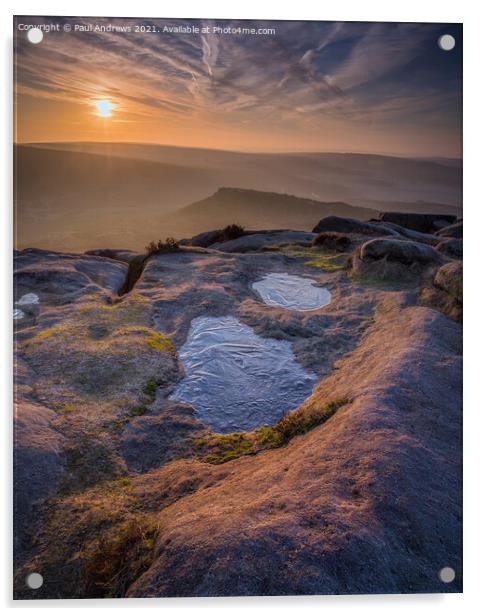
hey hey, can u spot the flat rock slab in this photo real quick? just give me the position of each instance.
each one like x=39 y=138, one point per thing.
x=62 y=278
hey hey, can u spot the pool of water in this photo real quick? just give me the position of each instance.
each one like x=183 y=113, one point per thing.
x=291 y=292
x=236 y=380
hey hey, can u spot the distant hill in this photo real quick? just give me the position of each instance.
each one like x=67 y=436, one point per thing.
x=323 y=176
x=75 y=201
x=78 y=196
x=261 y=210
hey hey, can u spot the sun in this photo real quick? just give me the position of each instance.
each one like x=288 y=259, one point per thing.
x=104 y=108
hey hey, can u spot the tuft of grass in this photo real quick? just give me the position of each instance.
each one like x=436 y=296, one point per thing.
x=230 y=232
x=63 y=408
x=230 y=446
x=160 y=247
x=149 y=388
x=299 y=422
x=137 y=411
x=117 y=558
x=269 y=437
x=94 y=543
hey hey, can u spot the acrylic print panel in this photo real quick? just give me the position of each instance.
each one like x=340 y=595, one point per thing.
x=238 y=305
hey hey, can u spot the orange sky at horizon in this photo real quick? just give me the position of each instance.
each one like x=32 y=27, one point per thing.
x=215 y=96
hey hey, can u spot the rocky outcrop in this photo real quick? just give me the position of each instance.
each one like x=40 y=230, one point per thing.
x=452 y=247
x=258 y=241
x=417 y=236
x=350 y=225
x=425 y=223
x=449 y=278
x=443 y=290
x=63 y=278
x=398 y=250
x=203 y=240
x=456 y=230
x=393 y=259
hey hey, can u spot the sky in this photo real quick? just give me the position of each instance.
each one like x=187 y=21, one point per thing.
x=306 y=86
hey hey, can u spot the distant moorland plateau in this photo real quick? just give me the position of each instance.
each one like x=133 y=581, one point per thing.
x=79 y=196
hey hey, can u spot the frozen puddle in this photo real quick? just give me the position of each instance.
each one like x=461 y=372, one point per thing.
x=291 y=292
x=236 y=380
x=29 y=302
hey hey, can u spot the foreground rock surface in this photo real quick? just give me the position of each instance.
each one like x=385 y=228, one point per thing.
x=125 y=505
x=334 y=511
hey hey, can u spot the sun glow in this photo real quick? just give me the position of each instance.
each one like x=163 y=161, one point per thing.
x=104 y=108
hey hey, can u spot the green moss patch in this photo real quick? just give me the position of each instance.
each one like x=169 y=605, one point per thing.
x=221 y=448
x=102 y=353
x=385 y=283
x=328 y=262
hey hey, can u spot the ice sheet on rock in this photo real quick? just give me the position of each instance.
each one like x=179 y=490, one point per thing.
x=236 y=380
x=27 y=299
x=291 y=292
x=18 y=314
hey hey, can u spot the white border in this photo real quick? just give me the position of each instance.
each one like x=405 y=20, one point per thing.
x=350 y=10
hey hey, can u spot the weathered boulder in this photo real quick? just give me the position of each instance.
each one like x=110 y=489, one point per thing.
x=425 y=223
x=350 y=225
x=332 y=241
x=258 y=241
x=404 y=251
x=452 y=247
x=203 y=240
x=393 y=259
x=417 y=236
x=456 y=230
x=449 y=278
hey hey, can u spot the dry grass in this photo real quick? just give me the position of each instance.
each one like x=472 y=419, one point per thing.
x=94 y=543
x=160 y=247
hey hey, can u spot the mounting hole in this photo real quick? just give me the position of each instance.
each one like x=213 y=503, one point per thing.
x=34 y=580
x=446 y=575
x=446 y=42
x=35 y=35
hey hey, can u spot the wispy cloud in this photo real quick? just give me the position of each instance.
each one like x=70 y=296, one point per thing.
x=306 y=74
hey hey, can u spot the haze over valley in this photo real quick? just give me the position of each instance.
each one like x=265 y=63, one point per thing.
x=80 y=196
